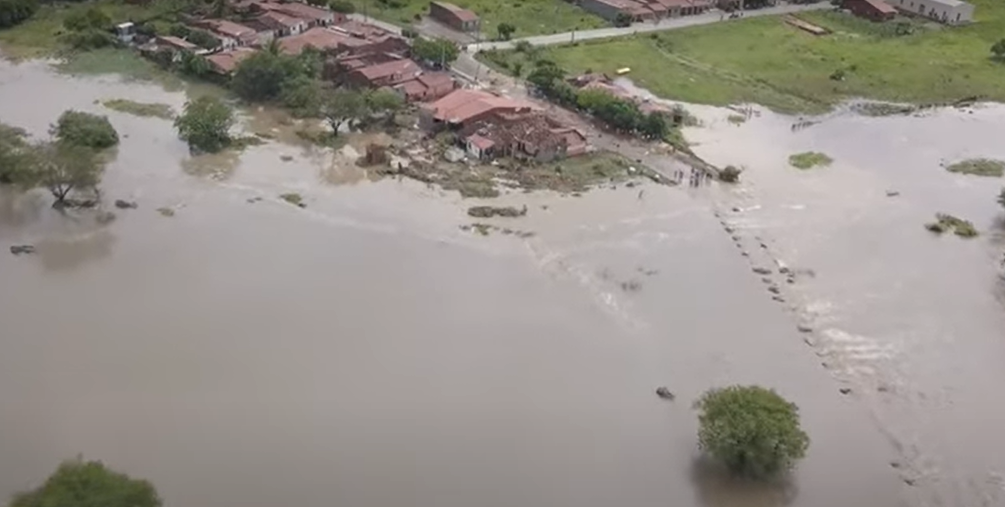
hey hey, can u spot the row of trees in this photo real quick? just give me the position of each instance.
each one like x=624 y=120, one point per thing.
x=70 y=161
x=621 y=114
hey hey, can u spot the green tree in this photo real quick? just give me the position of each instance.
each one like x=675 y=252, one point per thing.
x=505 y=31
x=386 y=102
x=193 y=65
x=546 y=76
x=261 y=76
x=654 y=125
x=14 y=154
x=753 y=430
x=441 y=52
x=93 y=18
x=341 y=107
x=205 y=124
x=203 y=39
x=85 y=129
x=998 y=50
x=63 y=168
x=343 y=6
x=89 y=484
x=623 y=19
x=302 y=96
x=13 y=12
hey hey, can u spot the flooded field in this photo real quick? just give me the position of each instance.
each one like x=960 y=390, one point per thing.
x=368 y=351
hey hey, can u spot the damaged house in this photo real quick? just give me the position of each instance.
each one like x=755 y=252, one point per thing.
x=531 y=136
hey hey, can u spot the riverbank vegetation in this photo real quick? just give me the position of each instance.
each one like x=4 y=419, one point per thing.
x=809 y=160
x=765 y=61
x=945 y=223
x=527 y=17
x=978 y=167
x=752 y=430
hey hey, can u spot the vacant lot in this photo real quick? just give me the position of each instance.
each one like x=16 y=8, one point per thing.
x=765 y=61
x=530 y=17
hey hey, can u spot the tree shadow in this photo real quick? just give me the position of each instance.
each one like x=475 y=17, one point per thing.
x=717 y=487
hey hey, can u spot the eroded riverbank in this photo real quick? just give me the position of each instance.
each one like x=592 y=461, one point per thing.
x=366 y=350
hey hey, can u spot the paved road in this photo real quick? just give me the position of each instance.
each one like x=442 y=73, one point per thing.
x=666 y=24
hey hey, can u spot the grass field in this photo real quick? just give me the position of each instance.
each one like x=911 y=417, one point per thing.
x=765 y=61
x=530 y=17
x=39 y=36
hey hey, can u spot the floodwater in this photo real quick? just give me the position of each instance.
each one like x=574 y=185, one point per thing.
x=367 y=351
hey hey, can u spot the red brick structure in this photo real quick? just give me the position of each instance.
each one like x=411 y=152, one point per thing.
x=876 y=10
x=454 y=16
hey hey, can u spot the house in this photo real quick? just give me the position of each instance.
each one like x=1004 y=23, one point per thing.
x=230 y=34
x=175 y=44
x=645 y=10
x=426 y=86
x=876 y=10
x=279 y=24
x=225 y=62
x=125 y=32
x=952 y=12
x=319 y=38
x=384 y=74
x=527 y=136
x=313 y=16
x=462 y=108
x=454 y=16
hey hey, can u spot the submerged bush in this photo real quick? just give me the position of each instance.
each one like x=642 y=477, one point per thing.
x=85 y=129
x=978 y=167
x=809 y=160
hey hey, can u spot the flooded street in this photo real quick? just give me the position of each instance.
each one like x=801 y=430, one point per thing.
x=367 y=351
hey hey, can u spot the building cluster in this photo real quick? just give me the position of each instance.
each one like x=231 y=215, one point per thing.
x=950 y=12
x=356 y=54
x=489 y=126
x=645 y=10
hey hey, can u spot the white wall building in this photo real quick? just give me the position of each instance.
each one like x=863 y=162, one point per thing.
x=951 y=12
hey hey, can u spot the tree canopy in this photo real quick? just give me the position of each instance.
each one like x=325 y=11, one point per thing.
x=441 y=52
x=752 y=430
x=63 y=168
x=205 y=124
x=14 y=154
x=506 y=31
x=89 y=484
x=998 y=49
x=340 y=107
x=85 y=129
x=13 y=12
x=261 y=77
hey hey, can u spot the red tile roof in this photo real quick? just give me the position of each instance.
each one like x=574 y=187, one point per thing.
x=394 y=67
x=436 y=79
x=462 y=105
x=226 y=61
x=881 y=6
x=229 y=29
x=176 y=42
x=317 y=37
x=299 y=10
x=279 y=19
x=482 y=143
x=460 y=12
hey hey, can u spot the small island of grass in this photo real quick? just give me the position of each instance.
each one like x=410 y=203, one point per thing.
x=809 y=160
x=945 y=222
x=979 y=167
x=144 y=109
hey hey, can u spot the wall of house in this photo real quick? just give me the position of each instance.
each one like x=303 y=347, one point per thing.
x=940 y=12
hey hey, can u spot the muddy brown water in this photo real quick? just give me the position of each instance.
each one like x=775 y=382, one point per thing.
x=366 y=351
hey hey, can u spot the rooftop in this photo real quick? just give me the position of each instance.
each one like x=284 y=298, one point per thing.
x=297 y=9
x=394 y=67
x=176 y=42
x=463 y=105
x=461 y=13
x=280 y=19
x=228 y=28
x=317 y=37
x=881 y=6
x=227 y=61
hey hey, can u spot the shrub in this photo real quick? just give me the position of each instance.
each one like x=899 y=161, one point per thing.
x=85 y=129
x=729 y=174
x=13 y=12
x=343 y=6
x=89 y=483
x=752 y=430
x=203 y=39
x=205 y=124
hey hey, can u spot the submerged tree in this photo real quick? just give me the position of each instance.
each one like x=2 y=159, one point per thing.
x=15 y=154
x=89 y=484
x=85 y=129
x=1001 y=198
x=205 y=124
x=752 y=430
x=63 y=168
x=343 y=107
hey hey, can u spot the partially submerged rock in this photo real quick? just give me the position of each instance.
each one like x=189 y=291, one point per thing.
x=493 y=211
x=664 y=392
x=168 y=212
x=123 y=204
x=22 y=249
